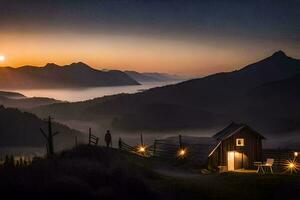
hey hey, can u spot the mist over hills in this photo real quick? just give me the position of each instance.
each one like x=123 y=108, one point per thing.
x=54 y=76
x=152 y=77
x=206 y=102
x=18 y=100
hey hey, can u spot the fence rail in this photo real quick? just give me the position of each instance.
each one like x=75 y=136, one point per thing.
x=165 y=149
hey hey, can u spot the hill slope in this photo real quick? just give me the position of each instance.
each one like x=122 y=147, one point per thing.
x=18 y=100
x=22 y=129
x=54 y=76
x=200 y=103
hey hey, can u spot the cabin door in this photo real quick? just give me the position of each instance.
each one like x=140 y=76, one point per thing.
x=230 y=160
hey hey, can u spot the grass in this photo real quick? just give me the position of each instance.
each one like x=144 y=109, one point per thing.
x=83 y=173
x=101 y=173
x=231 y=186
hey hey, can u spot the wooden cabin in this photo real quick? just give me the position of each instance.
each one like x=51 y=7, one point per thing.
x=238 y=147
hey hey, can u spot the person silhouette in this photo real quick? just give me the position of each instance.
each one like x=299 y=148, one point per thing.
x=107 y=139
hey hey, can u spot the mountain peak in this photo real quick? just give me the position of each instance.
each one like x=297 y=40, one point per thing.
x=80 y=65
x=51 y=65
x=279 y=53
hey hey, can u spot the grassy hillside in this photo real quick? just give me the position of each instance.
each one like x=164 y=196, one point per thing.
x=100 y=173
x=83 y=173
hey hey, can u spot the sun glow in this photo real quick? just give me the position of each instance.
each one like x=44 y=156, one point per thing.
x=2 y=58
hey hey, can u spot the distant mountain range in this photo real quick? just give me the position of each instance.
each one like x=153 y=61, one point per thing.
x=17 y=100
x=54 y=76
x=152 y=77
x=264 y=95
x=22 y=129
x=12 y=95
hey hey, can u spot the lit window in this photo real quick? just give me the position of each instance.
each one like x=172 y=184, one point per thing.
x=240 y=142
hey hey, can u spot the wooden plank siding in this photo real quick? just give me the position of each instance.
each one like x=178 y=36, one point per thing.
x=250 y=152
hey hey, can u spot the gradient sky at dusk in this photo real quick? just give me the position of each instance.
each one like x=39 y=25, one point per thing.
x=176 y=36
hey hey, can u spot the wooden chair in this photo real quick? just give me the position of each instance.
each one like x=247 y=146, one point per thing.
x=264 y=166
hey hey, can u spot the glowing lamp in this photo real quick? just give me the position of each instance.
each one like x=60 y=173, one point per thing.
x=291 y=166
x=295 y=154
x=141 y=149
x=182 y=153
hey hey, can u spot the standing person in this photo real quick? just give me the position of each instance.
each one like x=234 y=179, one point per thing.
x=108 y=139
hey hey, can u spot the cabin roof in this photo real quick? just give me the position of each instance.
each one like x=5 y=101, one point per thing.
x=232 y=129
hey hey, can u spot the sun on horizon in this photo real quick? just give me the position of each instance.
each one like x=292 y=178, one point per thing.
x=2 y=58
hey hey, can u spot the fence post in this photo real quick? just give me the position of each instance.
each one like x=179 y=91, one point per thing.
x=76 y=142
x=154 y=147
x=120 y=143
x=180 y=141
x=90 y=135
x=142 y=141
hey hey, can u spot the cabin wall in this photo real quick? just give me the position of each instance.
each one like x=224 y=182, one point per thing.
x=250 y=152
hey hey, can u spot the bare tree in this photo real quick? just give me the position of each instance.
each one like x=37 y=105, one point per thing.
x=49 y=138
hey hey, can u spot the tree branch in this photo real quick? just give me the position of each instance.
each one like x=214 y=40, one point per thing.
x=56 y=133
x=44 y=134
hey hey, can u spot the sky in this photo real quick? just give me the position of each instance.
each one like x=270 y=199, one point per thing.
x=191 y=37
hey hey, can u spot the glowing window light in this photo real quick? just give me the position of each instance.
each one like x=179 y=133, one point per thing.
x=240 y=142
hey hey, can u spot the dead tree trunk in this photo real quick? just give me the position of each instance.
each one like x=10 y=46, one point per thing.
x=49 y=138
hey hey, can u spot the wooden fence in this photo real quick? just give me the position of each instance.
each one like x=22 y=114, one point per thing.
x=160 y=148
x=171 y=150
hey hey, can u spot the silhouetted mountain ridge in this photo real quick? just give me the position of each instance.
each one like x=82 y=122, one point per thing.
x=205 y=102
x=55 y=76
x=12 y=95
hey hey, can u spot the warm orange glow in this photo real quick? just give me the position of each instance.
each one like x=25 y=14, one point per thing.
x=292 y=166
x=104 y=51
x=295 y=154
x=2 y=58
x=182 y=153
x=230 y=160
x=240 y=142
x=141 y=149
